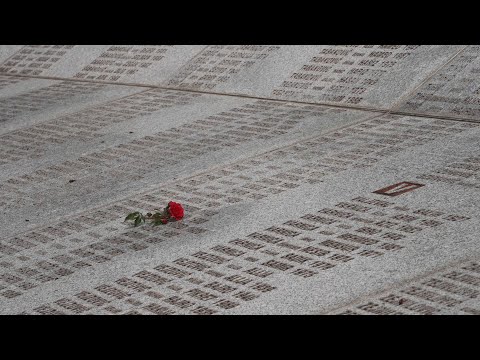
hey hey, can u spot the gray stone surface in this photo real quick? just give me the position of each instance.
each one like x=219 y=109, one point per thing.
x=26 y=101
x=149 y=64
x=454 y=91
x=291 y=208
x=450 y=291
x=364 y=76
x=6 y=51
x=187 y=134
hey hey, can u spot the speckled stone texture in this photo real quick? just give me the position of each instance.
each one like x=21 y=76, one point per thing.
x=315 y=179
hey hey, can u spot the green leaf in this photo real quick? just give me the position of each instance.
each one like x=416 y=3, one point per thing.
x=157 y=222
x=132 y=216
x=138 y=220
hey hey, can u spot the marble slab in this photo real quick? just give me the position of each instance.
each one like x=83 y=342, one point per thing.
x=301 y=229
x=372 y=76
x=149 y=64
x=148 y=137
x=454 y=91
x=369 y=76
x=453 y=290
x=28 y=101
x=6 y=51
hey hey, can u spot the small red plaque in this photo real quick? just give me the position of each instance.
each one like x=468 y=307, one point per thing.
x=398 y=189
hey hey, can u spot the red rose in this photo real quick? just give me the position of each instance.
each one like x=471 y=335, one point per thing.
x=175 y=210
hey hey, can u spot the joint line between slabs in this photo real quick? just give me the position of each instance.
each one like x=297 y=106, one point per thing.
x=405 y=97
x=434 y=116
x=339 y=106
x=348 y=107
x=391 y=109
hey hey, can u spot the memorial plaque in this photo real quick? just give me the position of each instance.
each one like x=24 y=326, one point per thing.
x=118 y=61
x=343 y=74
x=219 y=63
x=351 y=75
x=141 y=64
x=232 y=273
x=8 y=50
x=149 y=64
x=454 y=91
x=398 y=189
x=34 y=59
x=462 y=172
x=35 y=101
x=223 y=286
x=6 y=81
x=453 y=291
x=86 y=124
x=244 y=127
x=362 y=75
